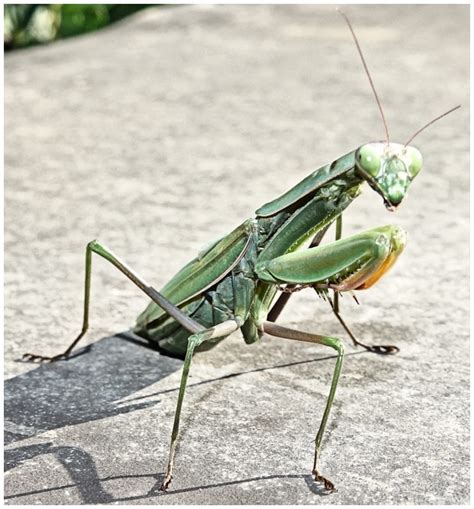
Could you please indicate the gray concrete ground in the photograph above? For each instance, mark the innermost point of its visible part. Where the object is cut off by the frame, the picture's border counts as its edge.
(158, 135)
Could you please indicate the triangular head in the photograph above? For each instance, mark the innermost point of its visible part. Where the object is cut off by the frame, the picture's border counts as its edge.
(389, 169)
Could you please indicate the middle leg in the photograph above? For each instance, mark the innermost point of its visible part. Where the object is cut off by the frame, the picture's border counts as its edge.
(335, 343)
(382, 349)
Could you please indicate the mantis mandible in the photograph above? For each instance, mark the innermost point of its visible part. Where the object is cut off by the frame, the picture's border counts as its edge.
(233, 284)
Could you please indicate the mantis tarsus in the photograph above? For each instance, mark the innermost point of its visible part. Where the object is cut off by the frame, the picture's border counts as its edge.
(233, 283)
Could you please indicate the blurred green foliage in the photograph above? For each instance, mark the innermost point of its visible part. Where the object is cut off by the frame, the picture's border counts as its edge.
(29, 24)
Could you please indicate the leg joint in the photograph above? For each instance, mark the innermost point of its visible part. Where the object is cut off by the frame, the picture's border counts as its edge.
(93, 245)
(195, 340)
(335, 343)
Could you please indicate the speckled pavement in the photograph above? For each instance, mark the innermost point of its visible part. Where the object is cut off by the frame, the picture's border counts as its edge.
(166, 131)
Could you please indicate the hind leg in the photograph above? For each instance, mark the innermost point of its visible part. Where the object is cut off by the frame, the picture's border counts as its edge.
(221, 330)
(95, 247)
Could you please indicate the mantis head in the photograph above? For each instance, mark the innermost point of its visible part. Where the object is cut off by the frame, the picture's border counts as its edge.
(389, 169)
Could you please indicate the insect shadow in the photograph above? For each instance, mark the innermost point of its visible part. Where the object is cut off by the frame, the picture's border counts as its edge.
(87, 387)
(92, 489)
(40, 400)
(79, 465)
(84, 388)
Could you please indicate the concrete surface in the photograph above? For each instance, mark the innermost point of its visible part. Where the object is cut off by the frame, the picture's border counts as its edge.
(158, 135)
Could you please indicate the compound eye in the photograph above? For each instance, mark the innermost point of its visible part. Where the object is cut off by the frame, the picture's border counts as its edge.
(369, 160)
(414, 161)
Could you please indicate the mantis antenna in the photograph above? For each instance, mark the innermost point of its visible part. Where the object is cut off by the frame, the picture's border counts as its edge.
(432, 122)
(367, 72)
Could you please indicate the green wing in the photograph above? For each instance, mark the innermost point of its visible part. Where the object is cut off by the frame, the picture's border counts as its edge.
(204, 271)
(311, 183)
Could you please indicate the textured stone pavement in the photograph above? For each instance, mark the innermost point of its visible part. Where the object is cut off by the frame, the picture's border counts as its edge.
(166, 131)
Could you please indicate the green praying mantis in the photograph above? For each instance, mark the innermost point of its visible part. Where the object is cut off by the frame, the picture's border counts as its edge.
(245, 279)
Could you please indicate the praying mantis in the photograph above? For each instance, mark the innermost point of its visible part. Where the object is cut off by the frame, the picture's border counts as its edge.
(235, 282)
